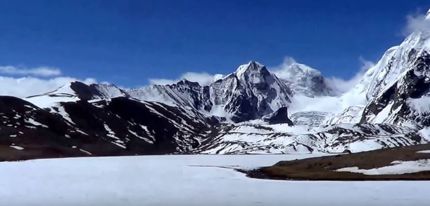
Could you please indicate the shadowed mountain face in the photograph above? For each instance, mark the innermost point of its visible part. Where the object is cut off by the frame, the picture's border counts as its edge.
(249, 93)
(279, 117)
(120, 126)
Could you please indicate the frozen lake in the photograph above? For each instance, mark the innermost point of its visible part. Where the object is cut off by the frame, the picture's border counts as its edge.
(181, 180)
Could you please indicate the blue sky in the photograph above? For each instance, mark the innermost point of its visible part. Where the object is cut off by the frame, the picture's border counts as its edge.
(128, 42)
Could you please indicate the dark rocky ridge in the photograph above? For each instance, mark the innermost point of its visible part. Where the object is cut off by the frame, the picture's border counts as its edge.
(279, 117)
(120, 126)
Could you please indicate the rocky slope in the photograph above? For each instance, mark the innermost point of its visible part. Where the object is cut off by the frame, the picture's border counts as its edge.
(402, 97)
(265, 139)
(87, 124)
(249, 93)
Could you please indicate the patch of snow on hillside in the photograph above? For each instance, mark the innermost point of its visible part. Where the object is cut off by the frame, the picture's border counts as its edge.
(296, 129)
(141, 137)
(396, 168)
(364, 145)
(50, 101)
(64, 114)
(111, 134)
(35, 123)
(302, 103)
(424, 151)
(383, 115)
(16, 147)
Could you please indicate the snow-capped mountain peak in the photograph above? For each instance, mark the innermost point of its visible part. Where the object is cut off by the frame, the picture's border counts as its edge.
(395, 62)
(397, 87)
(249, 93)
(303, 79)
(251, 67)
(75, 91)
(254, 74)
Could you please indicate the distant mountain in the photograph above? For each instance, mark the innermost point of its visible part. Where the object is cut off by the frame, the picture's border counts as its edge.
(114, 126)
(249, 93)
(75, 91)
(247, 111)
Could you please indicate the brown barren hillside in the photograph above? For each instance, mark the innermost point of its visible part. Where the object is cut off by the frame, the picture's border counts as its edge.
(324, 168)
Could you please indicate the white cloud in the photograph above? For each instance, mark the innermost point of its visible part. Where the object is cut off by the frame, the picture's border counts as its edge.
(418, 23)
(161, 81)
(36, 71)
(281, 71)
(320, 104)
(22, 81)
(286, 72)
(287, 62)
(341, 86)
(26, 86)
(202, 78)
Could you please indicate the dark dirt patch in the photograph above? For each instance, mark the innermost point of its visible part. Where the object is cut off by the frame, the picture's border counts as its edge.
(324, 168)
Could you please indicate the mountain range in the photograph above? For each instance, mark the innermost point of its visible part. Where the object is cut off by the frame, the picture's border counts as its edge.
(251, 110)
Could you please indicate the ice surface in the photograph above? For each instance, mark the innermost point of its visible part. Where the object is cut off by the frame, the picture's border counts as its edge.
(184, 180)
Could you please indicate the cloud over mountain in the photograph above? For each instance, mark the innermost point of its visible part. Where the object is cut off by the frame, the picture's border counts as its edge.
(42, 71)
(202, 78)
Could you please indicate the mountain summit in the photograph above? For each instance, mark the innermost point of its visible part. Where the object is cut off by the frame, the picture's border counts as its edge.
(249, 93)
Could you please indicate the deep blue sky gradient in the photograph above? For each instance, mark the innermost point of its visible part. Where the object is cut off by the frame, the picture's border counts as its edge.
(127, 42)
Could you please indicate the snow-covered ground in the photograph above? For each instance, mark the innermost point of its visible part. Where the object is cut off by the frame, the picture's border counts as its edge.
(185, 180)
(396, 168)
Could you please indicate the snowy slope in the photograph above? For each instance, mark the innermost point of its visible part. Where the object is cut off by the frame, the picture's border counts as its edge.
(395, 90)
(280, 139)
(184, 93)
(402, 97)
(75, 91)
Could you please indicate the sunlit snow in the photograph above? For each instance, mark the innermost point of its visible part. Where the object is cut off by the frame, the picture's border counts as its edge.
(396, 167)
(185, 180)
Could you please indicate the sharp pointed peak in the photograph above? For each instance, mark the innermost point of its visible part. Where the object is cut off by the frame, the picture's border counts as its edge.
(256, 63)
(251, 65)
